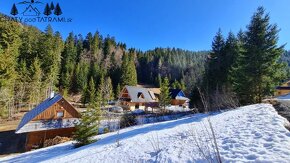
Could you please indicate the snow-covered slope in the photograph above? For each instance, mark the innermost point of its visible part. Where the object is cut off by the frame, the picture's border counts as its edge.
(253, 133)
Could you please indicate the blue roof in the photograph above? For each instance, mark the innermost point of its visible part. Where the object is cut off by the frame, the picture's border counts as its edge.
(176, 92)
(38, 109)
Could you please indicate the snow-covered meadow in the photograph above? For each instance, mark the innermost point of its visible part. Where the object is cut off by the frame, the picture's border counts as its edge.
(253, 133)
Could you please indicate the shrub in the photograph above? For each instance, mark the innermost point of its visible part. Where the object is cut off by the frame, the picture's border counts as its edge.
(106, 130)
(127, 120)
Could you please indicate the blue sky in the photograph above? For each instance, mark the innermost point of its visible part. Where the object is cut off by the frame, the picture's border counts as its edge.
(146, 24)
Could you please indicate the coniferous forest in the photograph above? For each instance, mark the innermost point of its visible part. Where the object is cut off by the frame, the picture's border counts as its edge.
(245, 66)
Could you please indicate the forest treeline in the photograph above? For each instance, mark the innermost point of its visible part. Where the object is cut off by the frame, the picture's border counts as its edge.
(240, 68)
(33, 63)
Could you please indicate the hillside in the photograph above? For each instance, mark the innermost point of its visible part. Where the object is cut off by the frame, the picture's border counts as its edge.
(251, 133)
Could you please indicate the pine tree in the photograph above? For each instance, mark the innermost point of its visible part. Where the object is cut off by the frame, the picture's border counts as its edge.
(9, 52)
(96, 44)
(108, 89)
(92, 91)
(231, 51)
(164, 93)
(257, 69)
(47, 10)
(51, 6)
(89, 123)
(14, 10)
(176, 85)
(36, 73)
(214, 73)
(101, 91)
(68, 60)
(118, 91)
(57, 10)
(128, 70)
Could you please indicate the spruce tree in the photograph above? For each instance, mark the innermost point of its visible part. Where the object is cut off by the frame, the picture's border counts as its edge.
(14, 10)
(47, 10)
(128, 71)
(92, 91)
(89, 123)
(96, 45)
(214, 73)
(35, 89)
(57, 10)
(257, 69)
(108, 89)
(101, 91)
(118, 91)
(51, 6)
(164, 94)
(9, 52)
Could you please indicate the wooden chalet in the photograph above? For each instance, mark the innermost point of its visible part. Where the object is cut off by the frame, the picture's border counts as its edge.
(133, 97)
(283, 89)
(53, 117)
(178, 97)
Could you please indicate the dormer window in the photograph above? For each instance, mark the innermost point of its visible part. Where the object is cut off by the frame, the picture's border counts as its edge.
(140, 95)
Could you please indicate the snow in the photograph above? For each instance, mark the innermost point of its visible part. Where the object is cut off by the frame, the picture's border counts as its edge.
(253, 133)
(176, 108)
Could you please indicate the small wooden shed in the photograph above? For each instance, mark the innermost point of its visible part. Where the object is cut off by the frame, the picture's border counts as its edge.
(53, 117)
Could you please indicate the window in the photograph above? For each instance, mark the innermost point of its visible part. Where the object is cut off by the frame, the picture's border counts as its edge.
(60, 114)
(140, 95)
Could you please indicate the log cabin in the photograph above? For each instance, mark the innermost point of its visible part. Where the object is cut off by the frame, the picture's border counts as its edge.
(132, 97)
(53, 117)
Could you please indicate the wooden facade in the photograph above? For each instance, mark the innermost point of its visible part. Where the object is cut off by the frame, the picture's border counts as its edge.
(36, 139)
(132, 98)
(177, 102)
(61, 106)
(53, 117)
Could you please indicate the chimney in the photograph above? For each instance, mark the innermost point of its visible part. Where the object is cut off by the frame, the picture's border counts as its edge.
(52, 95)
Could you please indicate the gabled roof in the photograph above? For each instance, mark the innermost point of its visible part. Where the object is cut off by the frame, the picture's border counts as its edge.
(135, 92)
(38, 109)
(177, 94)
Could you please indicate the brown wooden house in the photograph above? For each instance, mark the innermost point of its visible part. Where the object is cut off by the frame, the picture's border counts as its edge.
(53, 117)
(133, 97)
(178, 97)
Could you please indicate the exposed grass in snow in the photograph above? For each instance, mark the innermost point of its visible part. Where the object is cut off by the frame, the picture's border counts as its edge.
(253, 133)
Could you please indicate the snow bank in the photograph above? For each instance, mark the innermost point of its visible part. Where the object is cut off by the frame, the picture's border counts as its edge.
(253, 133)
(176, 108)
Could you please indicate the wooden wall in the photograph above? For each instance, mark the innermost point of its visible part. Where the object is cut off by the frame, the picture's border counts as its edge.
(62, 105)
(38, 138)
(177, 102)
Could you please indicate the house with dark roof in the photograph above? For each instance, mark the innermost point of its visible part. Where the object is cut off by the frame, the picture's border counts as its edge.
(283, 89)
(178, 97)
(53, 117)
(133, 97)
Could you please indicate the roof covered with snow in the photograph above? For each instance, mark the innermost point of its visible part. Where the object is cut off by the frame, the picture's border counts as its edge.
(138, 94)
